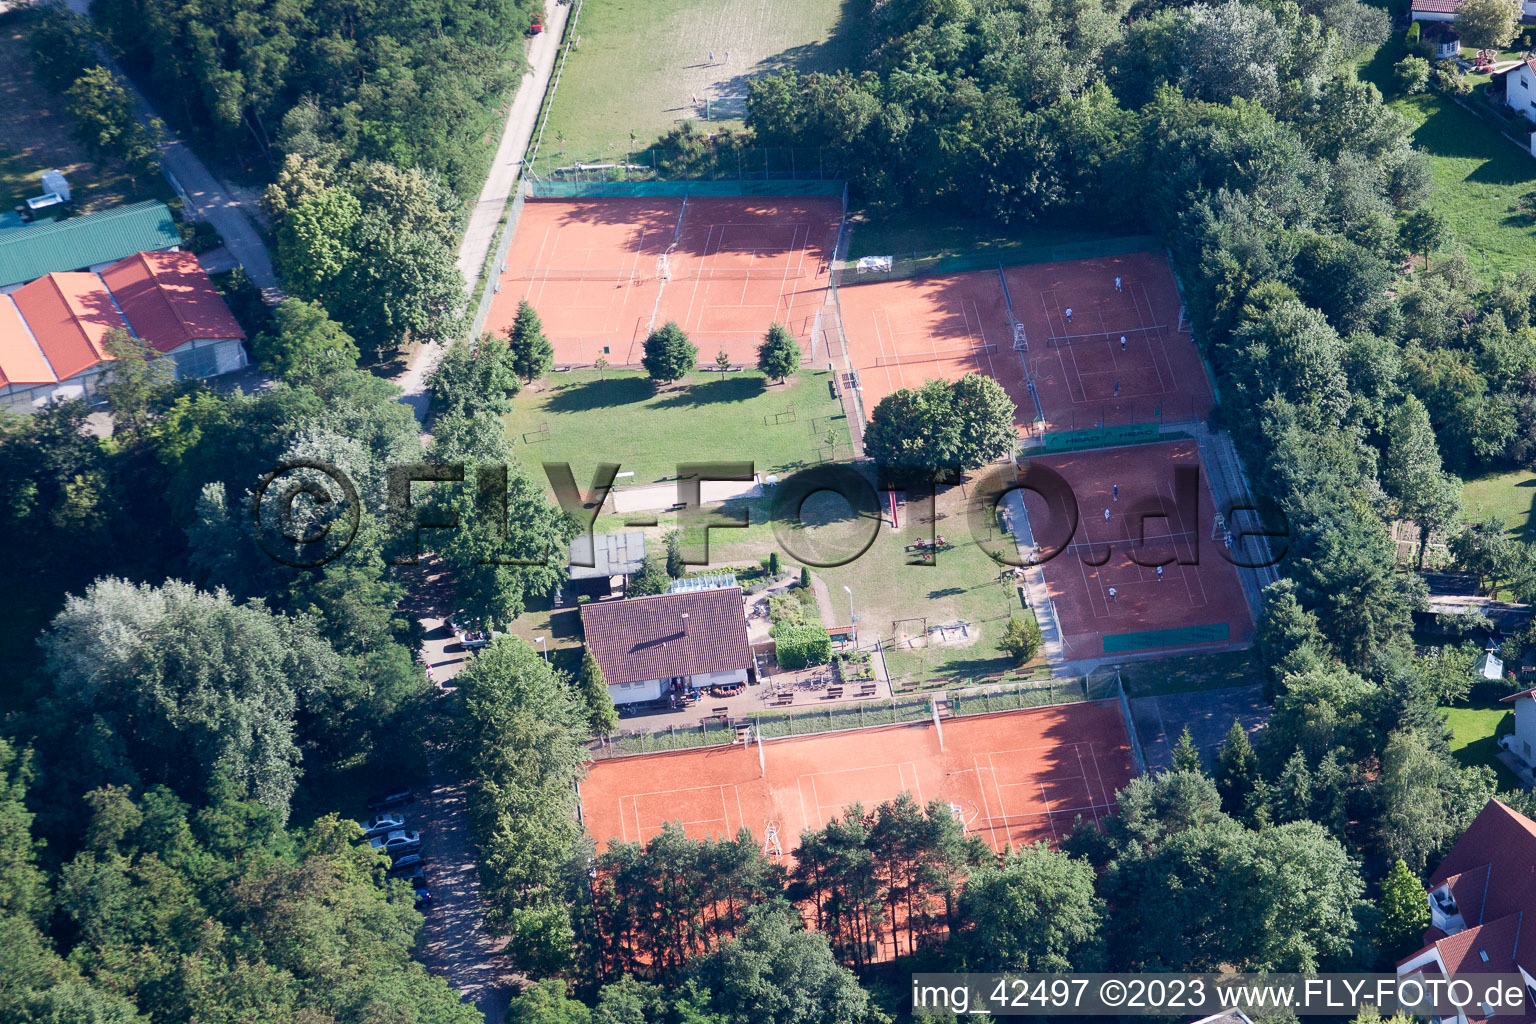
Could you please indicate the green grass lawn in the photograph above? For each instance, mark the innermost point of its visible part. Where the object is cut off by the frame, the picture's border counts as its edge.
(903, 234)
(618, 416)
(1481, 179)
(1190, 672)
(1474, 737)
(1507, 495)
(640, 63)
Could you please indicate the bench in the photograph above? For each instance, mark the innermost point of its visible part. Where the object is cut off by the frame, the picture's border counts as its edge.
(720, 712)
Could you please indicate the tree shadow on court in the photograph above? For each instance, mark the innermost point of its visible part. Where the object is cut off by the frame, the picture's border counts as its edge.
(601, 394)
(733, 387)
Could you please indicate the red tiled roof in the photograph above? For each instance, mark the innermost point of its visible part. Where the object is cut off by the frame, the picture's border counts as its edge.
(21, 361)
(169, 299)
(1491, 873)
(648, 638)
(1437, 6)
(70, 314)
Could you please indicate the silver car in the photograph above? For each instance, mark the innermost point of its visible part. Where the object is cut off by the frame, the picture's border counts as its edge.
(397, 842)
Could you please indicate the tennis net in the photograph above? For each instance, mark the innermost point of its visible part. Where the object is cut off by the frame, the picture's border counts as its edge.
(637, 275)
(1130, 334)
(934, 357)
(1177, 544)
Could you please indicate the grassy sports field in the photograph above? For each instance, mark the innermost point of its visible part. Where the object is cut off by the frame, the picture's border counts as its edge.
(641, 64)
(618, 416)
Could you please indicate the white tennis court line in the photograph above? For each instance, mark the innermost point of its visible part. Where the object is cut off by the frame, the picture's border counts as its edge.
(1205, 599)
(634, 799)
(822, 818)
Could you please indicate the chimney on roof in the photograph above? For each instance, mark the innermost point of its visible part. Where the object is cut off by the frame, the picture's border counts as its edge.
(685, 623)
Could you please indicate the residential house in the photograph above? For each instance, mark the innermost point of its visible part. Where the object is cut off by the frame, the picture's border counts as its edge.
(1478, 897)
(1446, 10)
(1520, 87)
(651, 647)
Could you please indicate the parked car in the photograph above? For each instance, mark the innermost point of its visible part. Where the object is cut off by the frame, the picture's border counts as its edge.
(394, 798)
(414, 874)
(423, 899)
(403, 866)
(383, 824)
(478, 638)
(397, 842)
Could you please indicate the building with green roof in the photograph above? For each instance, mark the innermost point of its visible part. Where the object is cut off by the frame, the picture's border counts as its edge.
(84, 243)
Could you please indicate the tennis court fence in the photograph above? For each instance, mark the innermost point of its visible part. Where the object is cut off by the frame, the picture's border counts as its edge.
(904, 709)
(641, 275)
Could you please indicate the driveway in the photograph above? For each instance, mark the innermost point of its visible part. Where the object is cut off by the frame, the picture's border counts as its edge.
(207, 198)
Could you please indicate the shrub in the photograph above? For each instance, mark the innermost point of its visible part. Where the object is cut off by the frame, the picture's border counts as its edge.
(805, 578)
(797, 645)
(773, 563)
(1447, 78)
(1412, 74)
(1020, 639)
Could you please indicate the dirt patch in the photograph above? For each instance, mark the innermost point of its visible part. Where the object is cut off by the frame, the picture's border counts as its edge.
(35, 136)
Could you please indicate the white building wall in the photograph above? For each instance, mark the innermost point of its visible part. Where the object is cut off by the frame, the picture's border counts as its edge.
(1525, 730)
(737, 675)
(1432, 16)
(632, 693)
(1520, 91)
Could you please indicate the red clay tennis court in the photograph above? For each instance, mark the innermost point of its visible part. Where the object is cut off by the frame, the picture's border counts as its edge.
(1126, 355)
(601, 272)
(1012, 778)
(902, 333)
(1109, 603)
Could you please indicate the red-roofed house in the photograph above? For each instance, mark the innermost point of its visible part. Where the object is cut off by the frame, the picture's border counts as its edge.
(1478, 898)
(171, 304)
(1446, 10)
(52, 331)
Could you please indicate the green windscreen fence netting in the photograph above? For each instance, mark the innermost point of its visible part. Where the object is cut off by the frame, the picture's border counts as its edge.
(703, 189)
(1216, 632)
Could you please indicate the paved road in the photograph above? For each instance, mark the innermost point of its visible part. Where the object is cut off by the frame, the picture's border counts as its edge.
(209, 199)
(212, 203)
(516, 136)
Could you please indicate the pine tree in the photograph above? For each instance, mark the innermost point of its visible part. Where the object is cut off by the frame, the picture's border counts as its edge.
(779, 354)
(669, 355)
(676, 567)
(1404, 912)
(773, 563)
(722, 361)
(1185, 757)
(1020, 639)
(1237, 766)
(594, 690)
(805, 577)
(532, 354)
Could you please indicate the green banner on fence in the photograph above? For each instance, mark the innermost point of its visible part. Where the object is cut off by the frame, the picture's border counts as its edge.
(1102, 437)
(1216, 632)
(678, 189)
